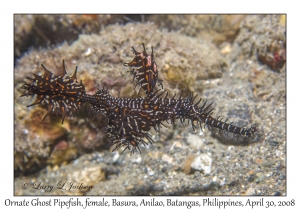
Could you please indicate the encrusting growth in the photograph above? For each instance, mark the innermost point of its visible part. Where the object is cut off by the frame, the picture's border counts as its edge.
(129, 119)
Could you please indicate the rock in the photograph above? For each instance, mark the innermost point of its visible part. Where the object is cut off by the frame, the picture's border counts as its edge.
(194, 141)
(202, 163)
(250, 191)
